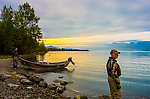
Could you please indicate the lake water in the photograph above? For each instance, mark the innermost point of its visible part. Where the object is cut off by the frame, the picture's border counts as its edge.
(89, 75)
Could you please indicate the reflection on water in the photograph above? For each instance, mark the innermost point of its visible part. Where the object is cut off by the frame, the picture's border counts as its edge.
(61, 70)
(90, 77)
(40, 57)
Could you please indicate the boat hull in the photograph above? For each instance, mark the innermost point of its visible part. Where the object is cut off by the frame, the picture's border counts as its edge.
(44, 66)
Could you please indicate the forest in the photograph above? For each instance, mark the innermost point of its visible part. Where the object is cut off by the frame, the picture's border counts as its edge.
(19, 29)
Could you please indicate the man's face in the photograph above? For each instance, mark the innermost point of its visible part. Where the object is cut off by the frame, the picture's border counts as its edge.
(114, 56)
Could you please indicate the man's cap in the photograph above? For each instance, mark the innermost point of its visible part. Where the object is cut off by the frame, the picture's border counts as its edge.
(114, 52)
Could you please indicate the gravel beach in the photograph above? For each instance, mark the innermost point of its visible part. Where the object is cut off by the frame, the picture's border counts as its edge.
(21, 84)
(24, 84)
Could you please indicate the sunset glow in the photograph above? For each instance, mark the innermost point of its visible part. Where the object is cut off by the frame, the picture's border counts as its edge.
(86, 22)
(84, 41)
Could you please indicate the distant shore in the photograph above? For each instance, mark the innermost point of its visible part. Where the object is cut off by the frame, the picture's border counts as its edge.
(54, 49)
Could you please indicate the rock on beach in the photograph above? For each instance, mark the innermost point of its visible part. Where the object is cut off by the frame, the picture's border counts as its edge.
(52, 87)
(43, 84)
(26, 82)
(22, 84)
(19, 83)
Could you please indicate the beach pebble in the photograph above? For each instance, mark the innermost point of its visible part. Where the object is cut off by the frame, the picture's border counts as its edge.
(55, 97)
(26, 82)
(36, 79)
(60, 77)
(13, 81)
(80, 97)
(2, 77)
(28, 96)
(52, 86)
(7, 76)
(20, 76)
(12, 85)
(61, 89)
(68, 98)
(57, 81)
(43, 84)
(63, 83)
(29, 87)
(103, 96)
(28, 75)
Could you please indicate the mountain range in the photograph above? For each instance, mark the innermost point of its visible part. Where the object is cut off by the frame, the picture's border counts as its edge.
(135, 45)
(127, 45)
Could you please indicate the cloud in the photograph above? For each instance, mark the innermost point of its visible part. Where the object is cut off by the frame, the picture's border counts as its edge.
(140, 5)
(96, 40)
(69, 18)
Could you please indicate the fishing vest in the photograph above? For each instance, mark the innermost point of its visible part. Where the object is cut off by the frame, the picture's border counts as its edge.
(113, 68)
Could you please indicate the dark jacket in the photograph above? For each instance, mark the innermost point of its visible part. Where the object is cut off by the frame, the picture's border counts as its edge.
(113, 68)
(14, 54)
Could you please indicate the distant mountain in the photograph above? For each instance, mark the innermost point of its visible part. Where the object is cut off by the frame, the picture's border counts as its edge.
(131, 45)
(67, 48)
(52, 47)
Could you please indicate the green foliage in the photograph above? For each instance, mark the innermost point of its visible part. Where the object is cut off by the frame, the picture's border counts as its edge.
(42, 47)
(19, 28)
(6, 30)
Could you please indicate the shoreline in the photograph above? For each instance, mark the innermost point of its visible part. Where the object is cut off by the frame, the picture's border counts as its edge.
(11, 86)
(20, 83)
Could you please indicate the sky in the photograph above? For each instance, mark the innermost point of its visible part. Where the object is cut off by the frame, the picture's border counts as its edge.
(87, 22)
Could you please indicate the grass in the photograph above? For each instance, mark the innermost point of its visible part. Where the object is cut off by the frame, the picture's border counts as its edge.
(5, 56)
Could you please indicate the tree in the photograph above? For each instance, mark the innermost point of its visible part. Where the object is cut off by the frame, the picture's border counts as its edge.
(26, 24)
(6, 30)
(42, 47)
(25, 19)
(19, 28)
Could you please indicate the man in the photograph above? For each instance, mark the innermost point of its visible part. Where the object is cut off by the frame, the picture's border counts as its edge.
(15, 56)
(114, 71)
